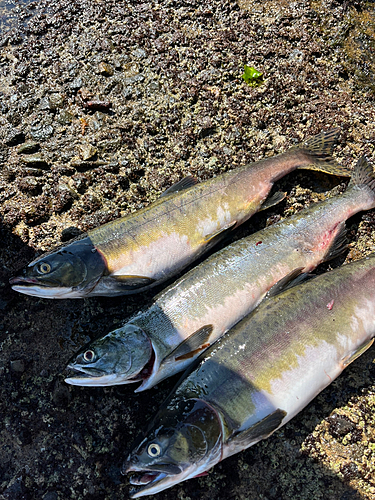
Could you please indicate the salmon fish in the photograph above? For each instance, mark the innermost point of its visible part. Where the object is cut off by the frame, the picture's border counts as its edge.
(201, 306)
(258, 376)
(141, 250)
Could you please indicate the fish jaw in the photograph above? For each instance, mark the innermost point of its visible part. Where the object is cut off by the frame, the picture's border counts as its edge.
(151, 481)
(100, 381)
(46, 292)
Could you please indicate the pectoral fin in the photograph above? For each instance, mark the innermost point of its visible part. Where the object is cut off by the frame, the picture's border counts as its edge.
(289, 281)
(191, 346)
(260, 430)
(132, 281)
(358, 352)
(218, 235)
(339, 244)
(273, 200)
(185, 183)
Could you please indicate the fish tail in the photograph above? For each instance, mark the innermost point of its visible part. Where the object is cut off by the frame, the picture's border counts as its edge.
(363, 175)
(319, 150)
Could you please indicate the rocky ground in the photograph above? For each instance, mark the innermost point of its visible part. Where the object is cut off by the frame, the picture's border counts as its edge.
(103, 105)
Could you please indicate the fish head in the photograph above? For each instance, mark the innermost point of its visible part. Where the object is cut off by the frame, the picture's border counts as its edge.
(183, 441)
(68, 272)
(117, 358)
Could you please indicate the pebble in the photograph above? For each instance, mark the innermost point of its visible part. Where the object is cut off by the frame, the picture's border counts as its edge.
(70, 233)
(35, 160)
(28, 147)
(105, 69)
(15, 137)
(65, 117)
(41, 132)
(87, 151)
(18, 366)
(76, 84)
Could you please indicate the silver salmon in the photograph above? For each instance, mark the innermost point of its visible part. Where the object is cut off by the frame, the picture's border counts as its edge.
(144, 249)
(201, 306)
(258, 376)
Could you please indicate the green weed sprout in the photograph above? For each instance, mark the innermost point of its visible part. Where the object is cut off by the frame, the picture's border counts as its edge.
(252, 77)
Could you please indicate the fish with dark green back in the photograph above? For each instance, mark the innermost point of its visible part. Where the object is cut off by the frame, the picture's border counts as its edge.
(141, 250)
(258, 376)
(198, 308)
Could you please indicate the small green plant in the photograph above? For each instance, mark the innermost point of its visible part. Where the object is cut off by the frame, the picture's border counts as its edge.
(252, 77)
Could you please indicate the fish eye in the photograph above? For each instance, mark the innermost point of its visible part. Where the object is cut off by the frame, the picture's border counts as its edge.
(153, 450)
(44, 268)
(89, 356)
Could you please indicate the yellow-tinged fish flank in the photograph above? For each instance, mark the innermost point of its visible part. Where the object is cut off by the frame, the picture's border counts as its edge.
(146, 248)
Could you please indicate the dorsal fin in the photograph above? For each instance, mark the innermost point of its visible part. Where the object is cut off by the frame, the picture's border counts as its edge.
(191, 346)
(289, 281)
(185, 183)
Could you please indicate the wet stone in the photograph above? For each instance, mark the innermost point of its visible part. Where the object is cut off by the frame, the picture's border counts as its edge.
(28, 147)
(35, 160)
(17, 366)
(61, 395)
(105, 69)
(339, 425)
(15, 137)
(51, 495)
(30, 184)
(65, 117)
(16, 491)
(76, 84)
(87, 151)
(64, 197)
(41, 132)
(70, 233)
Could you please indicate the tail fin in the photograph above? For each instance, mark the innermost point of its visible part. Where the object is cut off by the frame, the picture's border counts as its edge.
(363, 174)
(319, 149)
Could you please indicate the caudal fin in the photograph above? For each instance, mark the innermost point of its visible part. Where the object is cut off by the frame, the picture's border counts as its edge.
(319, 150)
(363, 175)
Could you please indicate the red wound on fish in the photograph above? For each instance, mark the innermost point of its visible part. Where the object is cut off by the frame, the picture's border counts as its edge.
(258, 243)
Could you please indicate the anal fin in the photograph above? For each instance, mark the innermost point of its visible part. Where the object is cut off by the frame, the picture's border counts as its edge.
(260, 430)
(358, 352)
(191, 346)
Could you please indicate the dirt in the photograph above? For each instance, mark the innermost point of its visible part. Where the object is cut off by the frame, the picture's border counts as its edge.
(104, 105)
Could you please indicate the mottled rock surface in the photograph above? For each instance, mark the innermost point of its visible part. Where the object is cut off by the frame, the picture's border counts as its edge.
(103, 105)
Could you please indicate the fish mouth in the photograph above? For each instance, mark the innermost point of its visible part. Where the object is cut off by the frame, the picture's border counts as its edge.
(35, 289)
(92, 377)
(23, 281)
(151, 479)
